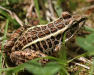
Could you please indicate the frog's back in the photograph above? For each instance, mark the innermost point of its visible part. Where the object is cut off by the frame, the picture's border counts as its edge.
(35, 35)
(44, 37)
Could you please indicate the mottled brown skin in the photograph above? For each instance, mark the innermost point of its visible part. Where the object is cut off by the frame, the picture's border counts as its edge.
(23, 56)
(17, 48)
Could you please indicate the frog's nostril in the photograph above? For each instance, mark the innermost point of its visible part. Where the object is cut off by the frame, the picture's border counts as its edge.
(66, 15)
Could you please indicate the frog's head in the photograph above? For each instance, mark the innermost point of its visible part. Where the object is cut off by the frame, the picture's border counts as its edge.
(73, 22)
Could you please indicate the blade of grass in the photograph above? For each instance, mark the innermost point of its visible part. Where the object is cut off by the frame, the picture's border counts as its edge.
(60, 1)
(84, 54)
(63, 58)
(91, 72)
(0, 62)
(5, 33)
(2, 47)
(37, 9)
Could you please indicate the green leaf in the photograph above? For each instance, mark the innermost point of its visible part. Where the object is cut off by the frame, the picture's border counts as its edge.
(58, 10)
(34, 67)
(60, 1)
(87, 43)
(72, 4)
(89, 29)
(63, 59)
(14, 69)
(13, 1)
(3, 13)
(49, 69)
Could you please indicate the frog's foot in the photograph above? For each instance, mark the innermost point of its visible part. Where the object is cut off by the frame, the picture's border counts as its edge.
(19, 57)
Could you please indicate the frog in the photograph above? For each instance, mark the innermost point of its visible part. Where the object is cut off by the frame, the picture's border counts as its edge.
(30, 42)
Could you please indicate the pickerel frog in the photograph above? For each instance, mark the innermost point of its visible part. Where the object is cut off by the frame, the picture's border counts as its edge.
(28, 43)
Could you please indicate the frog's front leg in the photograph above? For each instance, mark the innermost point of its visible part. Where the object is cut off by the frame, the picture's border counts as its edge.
(57, 49)
(19, 57)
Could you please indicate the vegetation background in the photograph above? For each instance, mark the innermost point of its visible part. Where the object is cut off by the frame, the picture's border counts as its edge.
(75, 58)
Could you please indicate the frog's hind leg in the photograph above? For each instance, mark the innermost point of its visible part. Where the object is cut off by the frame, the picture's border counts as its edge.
(19, 57)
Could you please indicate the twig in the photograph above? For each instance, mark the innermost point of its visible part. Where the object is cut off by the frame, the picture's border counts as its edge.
(49, 16)
(83, 59)
(51, 9)
(13, 15)
(84, 9)
(29, 11)
(82, 65)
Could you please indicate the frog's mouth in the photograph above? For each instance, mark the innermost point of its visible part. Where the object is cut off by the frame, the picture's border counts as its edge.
(74, 29)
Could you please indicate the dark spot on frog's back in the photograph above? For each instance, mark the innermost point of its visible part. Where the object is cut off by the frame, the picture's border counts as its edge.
(17, 46)
(43, 28)
(29, 39)
(56, 42)
(58, 36)
(50, 25)
(52, 38)
(31, 35)
(34, 37)
(33, 47)
(39, 46)
(44, 44)
(28, 36)
(60, 26)
(53, 29)
(46, 31)
(20, 46)
(21, 40)
(37, 29)
(49, 43)
(24, 41)
(33, 32)
(58, 21)
(41, 34)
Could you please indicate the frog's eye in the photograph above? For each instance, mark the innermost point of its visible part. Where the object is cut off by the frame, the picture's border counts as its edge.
(66, 15)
